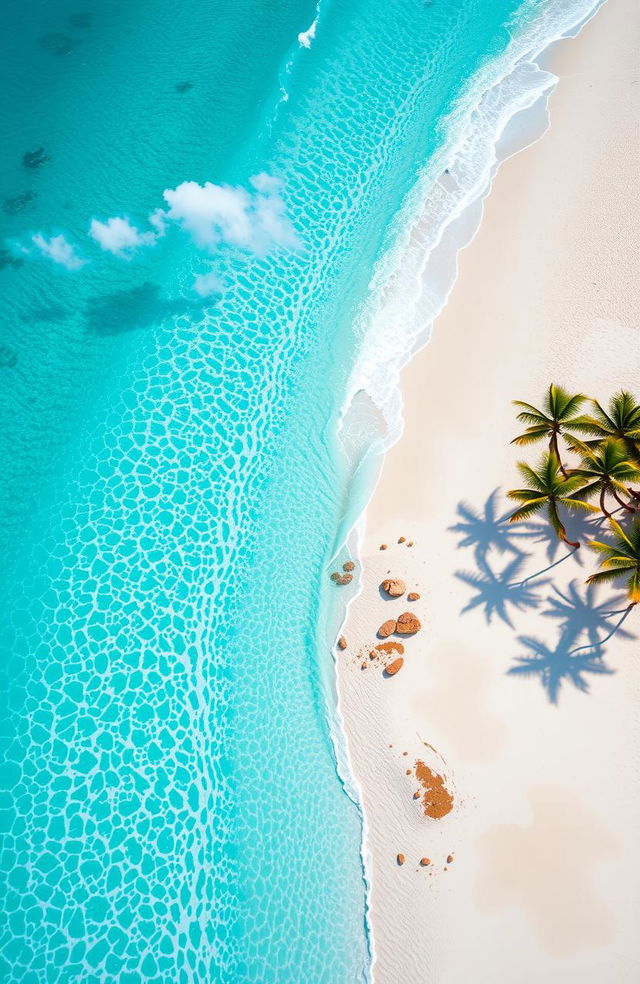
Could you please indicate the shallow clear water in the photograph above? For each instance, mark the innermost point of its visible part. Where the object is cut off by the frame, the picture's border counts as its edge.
(172, 484)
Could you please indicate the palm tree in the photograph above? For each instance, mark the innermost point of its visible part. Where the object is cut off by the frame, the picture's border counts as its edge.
(620, 558)
(621, 421)
(607, 469)
(548, 490)
(558, 413)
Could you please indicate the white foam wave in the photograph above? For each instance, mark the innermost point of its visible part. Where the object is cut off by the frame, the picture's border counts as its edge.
(412, 281)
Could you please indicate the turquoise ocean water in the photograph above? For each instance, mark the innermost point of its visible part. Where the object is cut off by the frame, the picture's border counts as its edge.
(172, 487)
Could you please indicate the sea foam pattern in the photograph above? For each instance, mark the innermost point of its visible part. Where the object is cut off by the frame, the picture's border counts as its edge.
(171, 806)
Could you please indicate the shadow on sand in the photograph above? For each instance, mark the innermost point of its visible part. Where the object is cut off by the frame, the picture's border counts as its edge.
(583, 624)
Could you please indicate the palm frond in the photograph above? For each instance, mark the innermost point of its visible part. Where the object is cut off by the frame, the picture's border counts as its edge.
(529, 475)
(573, 403)
(531, 436)
(528, 407)
(603, 419)
(605, 577)
(524, 495)
(572, 484)
(534, 506)
(633, 587)
(570, 503)
(528, 417)
(589, 425)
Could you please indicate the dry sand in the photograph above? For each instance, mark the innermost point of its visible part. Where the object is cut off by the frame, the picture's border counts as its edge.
(545, 881)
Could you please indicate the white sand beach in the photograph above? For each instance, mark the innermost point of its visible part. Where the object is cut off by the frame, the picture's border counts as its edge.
(544, 884)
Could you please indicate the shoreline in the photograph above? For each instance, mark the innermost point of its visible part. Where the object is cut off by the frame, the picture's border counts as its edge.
(532, 120)
(377, 516)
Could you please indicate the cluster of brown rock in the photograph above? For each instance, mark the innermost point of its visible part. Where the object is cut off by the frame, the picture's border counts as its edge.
(401, 539)
(345, 578)
(406, 624)
(424, 862)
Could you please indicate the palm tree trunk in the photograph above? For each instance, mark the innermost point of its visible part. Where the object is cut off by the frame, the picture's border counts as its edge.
(623, 504)
(553, 447)
(602, 505)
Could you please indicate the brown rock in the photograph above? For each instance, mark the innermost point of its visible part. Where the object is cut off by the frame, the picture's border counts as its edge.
(394, 587)
(401, 539)
(348, 566)
(342, 643)
(408, 624)
(417, 794)
(425, 861)
(363, 666)
(341, 578)
(383, 546)
(400, 858)
(413, 596)
(387, 628)
(394, 667)
(410, 543)
(408, 772)
(450, 859)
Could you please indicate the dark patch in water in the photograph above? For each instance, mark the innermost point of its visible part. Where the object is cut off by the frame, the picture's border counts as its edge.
(14, 204)
(32, 159)
(139, 307)
(57, 44)
(184, 86)
(80, 21)
(55, 313)
(8, 357)
(7, 259)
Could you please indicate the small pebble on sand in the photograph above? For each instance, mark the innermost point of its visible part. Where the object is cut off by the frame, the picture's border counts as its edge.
(425, 861)
(401, 539)
(383, 546)
(400, 858)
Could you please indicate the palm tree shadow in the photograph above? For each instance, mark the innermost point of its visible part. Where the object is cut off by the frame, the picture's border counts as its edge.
(495, 593)
(136, 308)
(485, 530)
(580, 527)
(581, 615)
(554, 666)
(584, 624)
